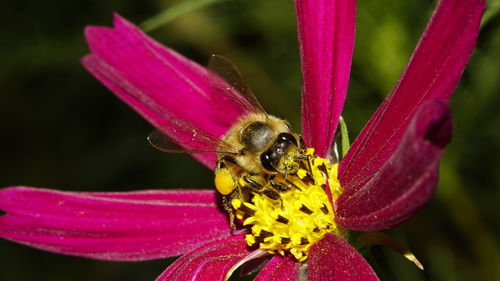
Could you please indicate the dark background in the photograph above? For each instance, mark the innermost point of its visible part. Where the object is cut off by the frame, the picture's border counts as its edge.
(61, 129)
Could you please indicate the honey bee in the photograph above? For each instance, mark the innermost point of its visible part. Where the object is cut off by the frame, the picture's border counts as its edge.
(255, 155)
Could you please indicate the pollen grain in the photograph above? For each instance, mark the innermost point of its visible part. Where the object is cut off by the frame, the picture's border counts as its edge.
(301, 217)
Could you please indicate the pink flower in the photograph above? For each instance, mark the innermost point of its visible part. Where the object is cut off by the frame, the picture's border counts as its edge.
(389, 173)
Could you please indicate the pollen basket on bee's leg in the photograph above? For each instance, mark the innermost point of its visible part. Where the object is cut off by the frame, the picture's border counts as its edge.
(300, 217)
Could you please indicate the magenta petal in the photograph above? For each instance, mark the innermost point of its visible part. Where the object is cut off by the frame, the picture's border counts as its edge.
(125, 226)
(179, 97)
(334, 259)
(279, 268)
(433, 72)
(407, 180)
(208, 262)
(326, 41)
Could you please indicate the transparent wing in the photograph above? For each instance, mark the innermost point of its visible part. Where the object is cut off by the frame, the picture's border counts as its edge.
(164, 143)
(228, 71)
(234, 91)
(187, 136)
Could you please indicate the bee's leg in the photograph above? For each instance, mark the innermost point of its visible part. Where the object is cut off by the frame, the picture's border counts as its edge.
(271, 194)
(301, 157)
(253, 185)
(283, 186)
(292, 185)
(302, 144)
(308, 167)
(309, 164)
(280, 186)
(226, 204)
(225, 182)
(228, 207)
(257, 187)
(226, 185)
(306, 164)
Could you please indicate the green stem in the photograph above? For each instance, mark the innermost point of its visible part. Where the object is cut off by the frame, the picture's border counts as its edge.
(175, 11)
(492, 10)
(344, 135)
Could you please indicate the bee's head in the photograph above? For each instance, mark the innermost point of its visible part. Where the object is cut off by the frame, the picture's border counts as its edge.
(281, 156)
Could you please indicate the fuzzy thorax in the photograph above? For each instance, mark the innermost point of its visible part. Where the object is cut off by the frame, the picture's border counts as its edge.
(301, 217)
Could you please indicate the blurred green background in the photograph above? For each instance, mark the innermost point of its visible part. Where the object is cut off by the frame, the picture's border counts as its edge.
(61, 129)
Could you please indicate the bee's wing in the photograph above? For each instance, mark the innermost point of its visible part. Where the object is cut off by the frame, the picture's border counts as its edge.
(228, 71)
(197, 140)
(207, 144)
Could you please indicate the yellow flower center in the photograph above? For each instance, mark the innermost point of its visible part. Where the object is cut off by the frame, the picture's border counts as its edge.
(301, 217)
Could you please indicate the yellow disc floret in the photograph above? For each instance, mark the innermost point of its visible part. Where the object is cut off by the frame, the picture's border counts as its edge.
(301, 217)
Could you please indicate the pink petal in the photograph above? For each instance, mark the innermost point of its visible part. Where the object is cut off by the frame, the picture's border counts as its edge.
(254, 265)
(280, 268)
(433, 72)
(326, 41)
(209, 262)
(334, 259)
(407, 180)
(179, 97)
(125, 226)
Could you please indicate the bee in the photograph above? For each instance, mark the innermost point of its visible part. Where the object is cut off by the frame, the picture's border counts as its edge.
(256, 154)
(266, 148)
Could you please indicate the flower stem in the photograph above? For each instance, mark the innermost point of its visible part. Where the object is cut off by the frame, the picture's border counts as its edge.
(344, 135)
(173, 12)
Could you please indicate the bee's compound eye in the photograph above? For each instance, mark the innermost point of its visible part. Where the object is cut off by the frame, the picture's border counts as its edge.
(256, 136)
(269, 159)
(286, 138)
